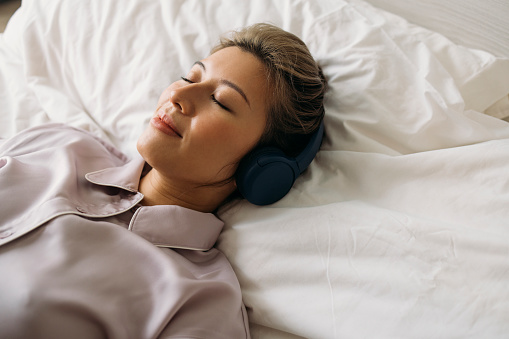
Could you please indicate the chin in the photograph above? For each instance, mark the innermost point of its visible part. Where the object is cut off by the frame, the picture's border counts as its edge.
(144, 142)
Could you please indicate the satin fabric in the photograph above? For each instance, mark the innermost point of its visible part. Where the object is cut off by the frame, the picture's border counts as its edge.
(80, 258)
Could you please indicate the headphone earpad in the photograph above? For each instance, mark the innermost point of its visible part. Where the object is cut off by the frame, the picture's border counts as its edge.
(266, 176)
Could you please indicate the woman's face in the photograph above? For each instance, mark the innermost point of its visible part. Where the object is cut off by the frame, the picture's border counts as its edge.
(207, 121)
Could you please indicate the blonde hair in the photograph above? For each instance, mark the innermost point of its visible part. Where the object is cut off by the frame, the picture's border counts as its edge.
(296, 84)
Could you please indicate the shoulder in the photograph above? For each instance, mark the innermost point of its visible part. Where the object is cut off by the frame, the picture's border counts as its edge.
(55, 135)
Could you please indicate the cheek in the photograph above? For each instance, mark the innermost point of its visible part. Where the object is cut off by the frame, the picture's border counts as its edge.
(227, 142)
(163, 98)
(165, 95)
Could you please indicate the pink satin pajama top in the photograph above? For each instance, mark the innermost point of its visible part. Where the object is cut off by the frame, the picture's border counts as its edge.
(80, 258)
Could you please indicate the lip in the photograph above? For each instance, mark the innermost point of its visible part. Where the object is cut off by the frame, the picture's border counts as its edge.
(165, 124)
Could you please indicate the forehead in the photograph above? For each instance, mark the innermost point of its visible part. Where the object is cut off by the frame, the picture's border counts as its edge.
(234, 58)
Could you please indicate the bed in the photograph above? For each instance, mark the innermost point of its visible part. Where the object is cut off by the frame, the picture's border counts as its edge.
(400, 226)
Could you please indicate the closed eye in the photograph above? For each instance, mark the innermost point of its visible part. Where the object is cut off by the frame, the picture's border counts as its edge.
(212, 96)
(220, 104)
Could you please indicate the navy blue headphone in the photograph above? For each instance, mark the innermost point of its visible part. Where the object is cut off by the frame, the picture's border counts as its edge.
(267, 174)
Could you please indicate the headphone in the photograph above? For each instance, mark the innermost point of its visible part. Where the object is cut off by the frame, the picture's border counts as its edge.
(267, 174)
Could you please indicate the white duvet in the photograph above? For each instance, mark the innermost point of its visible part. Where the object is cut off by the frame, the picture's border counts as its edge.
(399, 228)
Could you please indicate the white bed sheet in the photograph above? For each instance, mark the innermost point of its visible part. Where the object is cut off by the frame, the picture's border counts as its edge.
(400, 227)
(471, 23)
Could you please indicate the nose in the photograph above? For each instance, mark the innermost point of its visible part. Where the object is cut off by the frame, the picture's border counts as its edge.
(183, 99)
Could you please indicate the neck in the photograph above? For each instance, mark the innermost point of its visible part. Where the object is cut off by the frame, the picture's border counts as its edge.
(159, 191)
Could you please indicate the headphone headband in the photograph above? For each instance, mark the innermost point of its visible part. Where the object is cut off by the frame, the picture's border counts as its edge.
(267, 175)
(305, 157)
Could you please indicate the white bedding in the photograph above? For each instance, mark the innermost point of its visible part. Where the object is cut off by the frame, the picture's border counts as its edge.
(472, 23)
(400, 227)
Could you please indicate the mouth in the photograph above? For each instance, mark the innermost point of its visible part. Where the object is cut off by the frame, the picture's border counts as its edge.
(165, 124)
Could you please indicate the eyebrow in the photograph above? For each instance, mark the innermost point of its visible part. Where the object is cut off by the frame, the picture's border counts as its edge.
(227, 83)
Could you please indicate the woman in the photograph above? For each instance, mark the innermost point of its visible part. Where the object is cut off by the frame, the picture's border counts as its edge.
(77, 247)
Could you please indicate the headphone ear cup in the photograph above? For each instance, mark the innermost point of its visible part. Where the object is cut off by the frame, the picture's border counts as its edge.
(266, 176)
